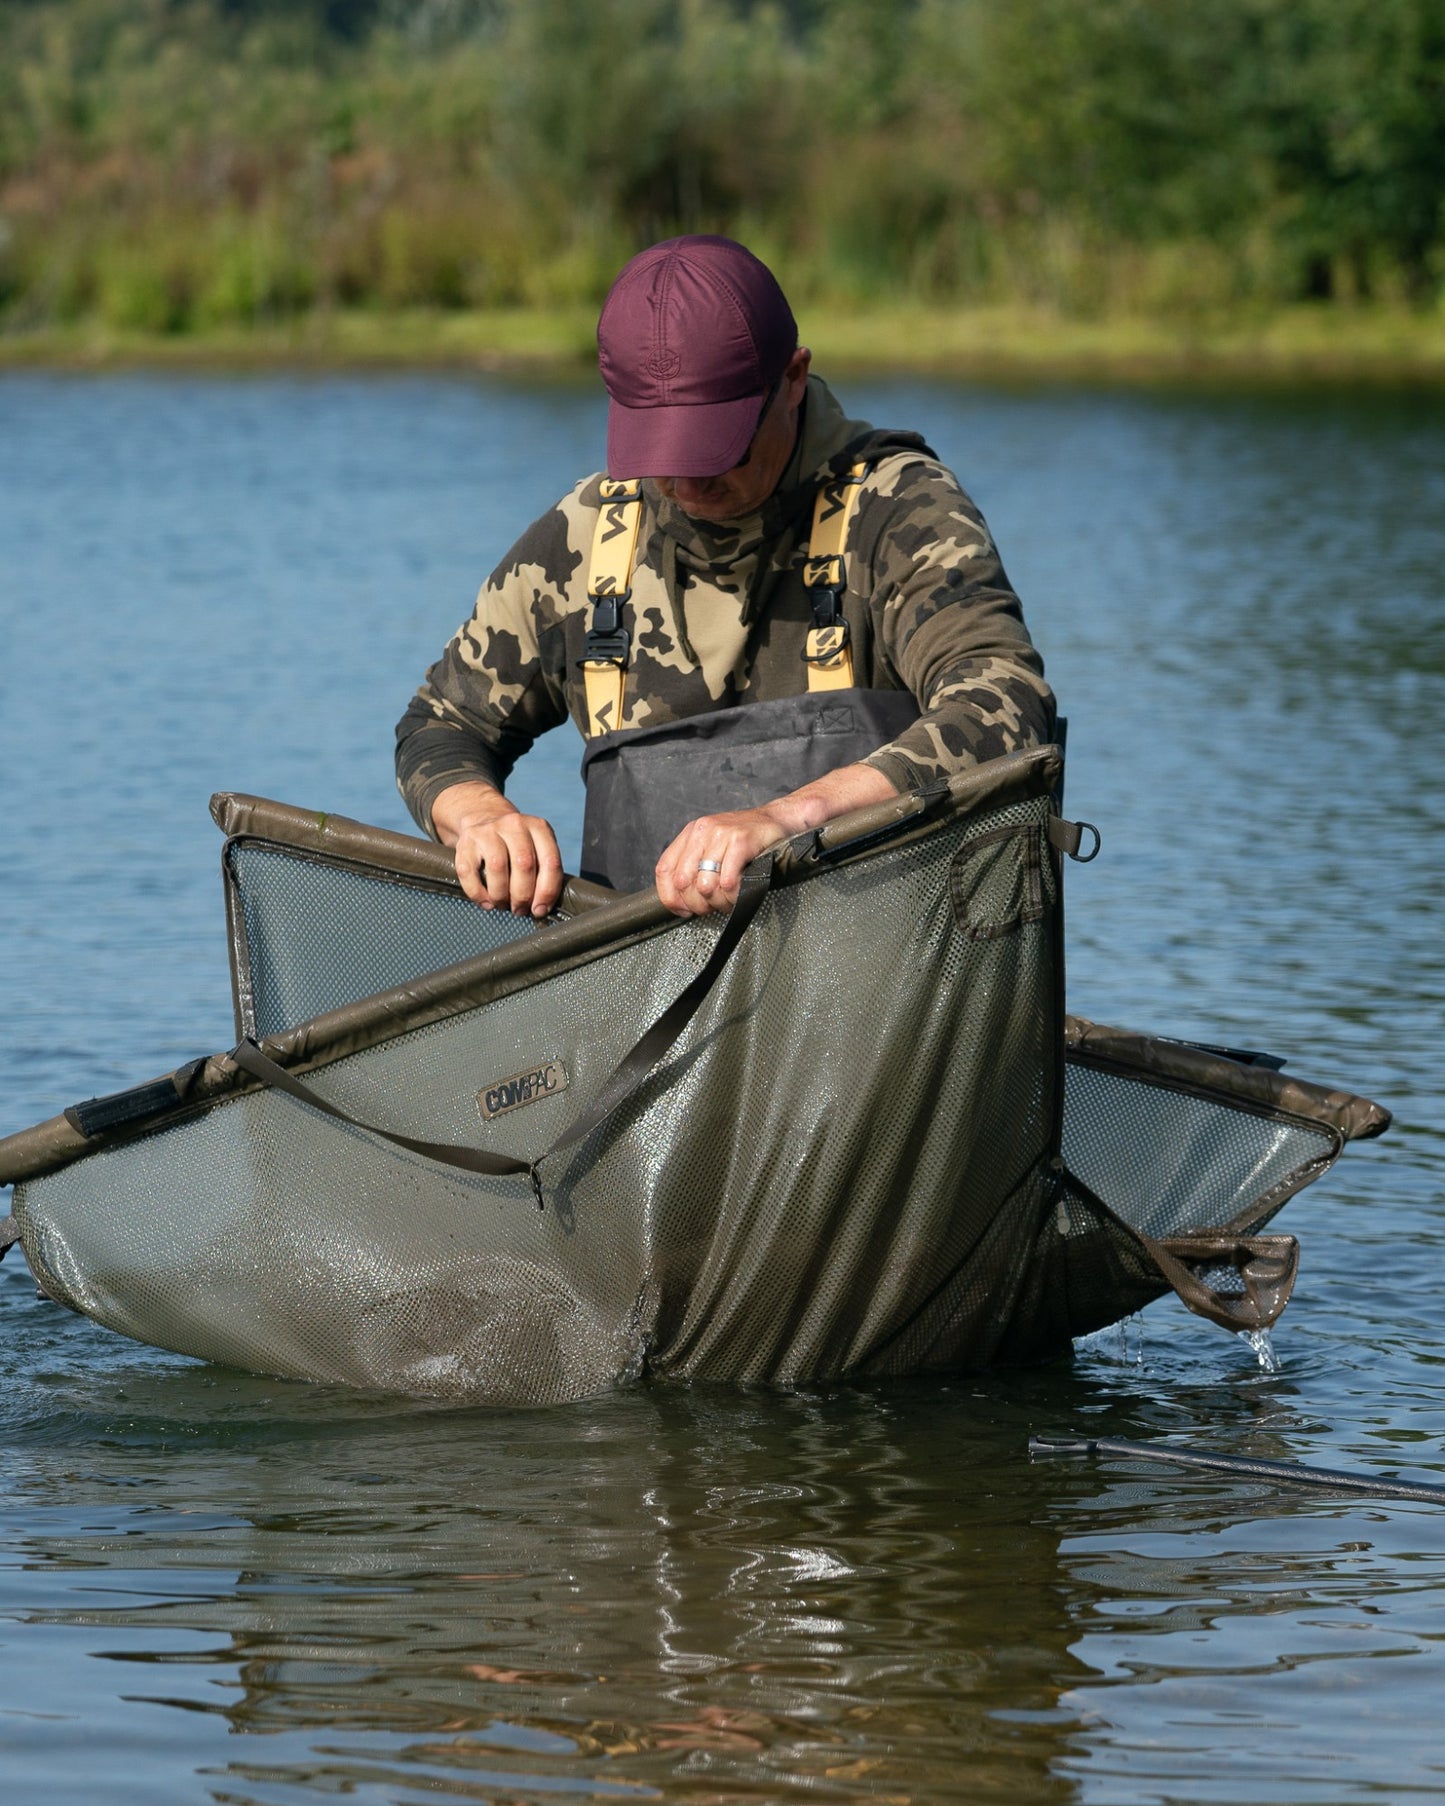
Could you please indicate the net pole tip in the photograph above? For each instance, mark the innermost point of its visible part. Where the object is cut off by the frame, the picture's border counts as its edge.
(1043, 1446)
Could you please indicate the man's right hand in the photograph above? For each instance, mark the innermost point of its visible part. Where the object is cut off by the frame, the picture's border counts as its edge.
(505, 860)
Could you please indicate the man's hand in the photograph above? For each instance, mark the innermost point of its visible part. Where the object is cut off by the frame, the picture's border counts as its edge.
(733, 839)
(505, 860)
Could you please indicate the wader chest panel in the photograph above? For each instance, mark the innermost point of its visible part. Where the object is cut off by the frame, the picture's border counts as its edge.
(643, 783)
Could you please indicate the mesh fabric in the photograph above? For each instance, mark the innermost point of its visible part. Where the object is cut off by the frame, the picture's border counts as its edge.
(854, 1159)
(1170, 1163)
(837, 1168)
(320, 934)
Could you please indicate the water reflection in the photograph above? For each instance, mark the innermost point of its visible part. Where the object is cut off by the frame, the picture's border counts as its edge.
(705, 1594)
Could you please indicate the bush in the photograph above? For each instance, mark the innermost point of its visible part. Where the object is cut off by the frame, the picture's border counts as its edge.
(169, 163)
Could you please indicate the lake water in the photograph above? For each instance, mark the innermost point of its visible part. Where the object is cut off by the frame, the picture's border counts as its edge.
(221, 1588)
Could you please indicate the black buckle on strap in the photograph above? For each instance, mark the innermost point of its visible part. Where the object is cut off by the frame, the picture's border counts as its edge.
(826, 613)
(608, 641)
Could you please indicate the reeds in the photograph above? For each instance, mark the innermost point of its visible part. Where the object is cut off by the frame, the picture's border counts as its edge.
(177, 168)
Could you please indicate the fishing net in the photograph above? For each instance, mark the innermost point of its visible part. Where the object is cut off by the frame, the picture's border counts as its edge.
(858, 1153)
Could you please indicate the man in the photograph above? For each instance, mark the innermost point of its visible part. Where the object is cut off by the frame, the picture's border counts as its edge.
(901, 659)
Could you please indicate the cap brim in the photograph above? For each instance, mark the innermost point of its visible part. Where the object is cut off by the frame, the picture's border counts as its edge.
(702, 440)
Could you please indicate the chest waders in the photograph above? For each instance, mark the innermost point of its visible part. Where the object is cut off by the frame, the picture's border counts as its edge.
(644, 784)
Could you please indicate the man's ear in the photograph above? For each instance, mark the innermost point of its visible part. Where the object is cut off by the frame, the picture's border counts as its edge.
(795, 374)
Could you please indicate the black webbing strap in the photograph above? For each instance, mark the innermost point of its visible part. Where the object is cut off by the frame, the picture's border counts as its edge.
(629, 1073)
(248, 1056)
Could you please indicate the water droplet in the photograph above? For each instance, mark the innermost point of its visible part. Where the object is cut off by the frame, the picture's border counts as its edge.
(1258, 1340)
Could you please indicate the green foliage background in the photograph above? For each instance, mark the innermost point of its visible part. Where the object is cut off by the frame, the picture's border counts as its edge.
(173, 166)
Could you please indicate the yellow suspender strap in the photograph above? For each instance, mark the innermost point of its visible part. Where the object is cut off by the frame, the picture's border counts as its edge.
(827, 653)
(609, 584)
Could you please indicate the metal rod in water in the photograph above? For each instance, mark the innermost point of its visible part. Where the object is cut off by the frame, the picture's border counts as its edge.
(1290, 1473)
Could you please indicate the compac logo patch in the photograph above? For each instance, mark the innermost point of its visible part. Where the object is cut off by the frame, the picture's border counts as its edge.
(522, 1088)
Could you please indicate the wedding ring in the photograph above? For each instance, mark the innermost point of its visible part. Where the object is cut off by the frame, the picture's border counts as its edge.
(709, 865)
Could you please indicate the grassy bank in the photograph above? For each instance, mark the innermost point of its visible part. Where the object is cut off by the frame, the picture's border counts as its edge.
(1128, 186)
(1000, 342)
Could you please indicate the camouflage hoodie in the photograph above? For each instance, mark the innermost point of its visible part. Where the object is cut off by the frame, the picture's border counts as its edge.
(719, 614)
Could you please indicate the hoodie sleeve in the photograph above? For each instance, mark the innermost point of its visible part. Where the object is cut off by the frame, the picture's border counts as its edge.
(948, 623)
(501, 681)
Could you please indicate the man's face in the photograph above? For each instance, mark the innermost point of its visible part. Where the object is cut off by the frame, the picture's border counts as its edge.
(743, 489)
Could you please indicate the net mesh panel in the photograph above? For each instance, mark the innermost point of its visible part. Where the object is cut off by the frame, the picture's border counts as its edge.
(296, 1245)
(1170, 1163)
(322, 935)
(842, 1166)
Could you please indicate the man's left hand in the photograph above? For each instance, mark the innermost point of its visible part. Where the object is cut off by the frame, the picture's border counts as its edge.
(729, 841)
(686, 879)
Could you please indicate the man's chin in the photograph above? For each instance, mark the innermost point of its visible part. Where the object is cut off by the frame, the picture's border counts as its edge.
(721, 508)
(713, 515)
(718, 507)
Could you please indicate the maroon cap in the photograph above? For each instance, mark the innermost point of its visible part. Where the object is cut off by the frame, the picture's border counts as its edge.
(693, 335)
